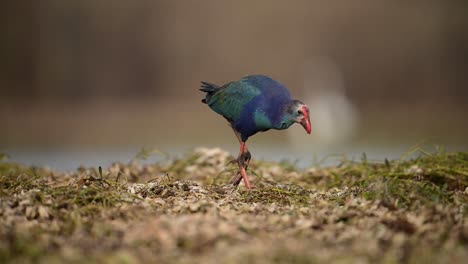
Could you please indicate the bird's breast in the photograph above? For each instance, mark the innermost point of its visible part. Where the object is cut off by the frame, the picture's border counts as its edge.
(261, 120)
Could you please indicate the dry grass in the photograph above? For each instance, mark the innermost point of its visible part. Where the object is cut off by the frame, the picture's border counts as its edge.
(179, 211)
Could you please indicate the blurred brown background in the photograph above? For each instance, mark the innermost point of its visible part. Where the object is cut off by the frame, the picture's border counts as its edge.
(89, 74)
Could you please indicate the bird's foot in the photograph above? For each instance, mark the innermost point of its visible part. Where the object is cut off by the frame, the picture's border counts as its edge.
(243, 159)
(235, 181)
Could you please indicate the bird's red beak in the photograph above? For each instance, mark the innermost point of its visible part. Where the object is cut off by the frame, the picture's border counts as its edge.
(305, 122)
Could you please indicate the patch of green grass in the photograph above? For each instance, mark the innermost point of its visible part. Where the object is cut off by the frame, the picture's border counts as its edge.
(279, 194)
(428, 178)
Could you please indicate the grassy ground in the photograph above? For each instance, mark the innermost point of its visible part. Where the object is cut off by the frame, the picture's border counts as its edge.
(179, 211)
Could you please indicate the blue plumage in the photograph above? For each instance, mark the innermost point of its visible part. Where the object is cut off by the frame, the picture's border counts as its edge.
(252, 104)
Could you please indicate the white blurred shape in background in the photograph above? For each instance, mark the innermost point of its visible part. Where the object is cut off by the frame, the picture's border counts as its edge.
(333, 116)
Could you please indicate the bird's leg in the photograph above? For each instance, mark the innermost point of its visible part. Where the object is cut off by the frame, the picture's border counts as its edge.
(245, 158)
(242, 164)
(245, 155)
(242, 160)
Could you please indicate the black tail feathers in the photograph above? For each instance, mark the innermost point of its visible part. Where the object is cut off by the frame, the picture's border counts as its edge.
(208, 88)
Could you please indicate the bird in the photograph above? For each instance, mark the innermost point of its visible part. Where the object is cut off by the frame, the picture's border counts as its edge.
(252, 104)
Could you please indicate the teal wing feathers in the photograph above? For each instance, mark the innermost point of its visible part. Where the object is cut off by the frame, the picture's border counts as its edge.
(230, 99)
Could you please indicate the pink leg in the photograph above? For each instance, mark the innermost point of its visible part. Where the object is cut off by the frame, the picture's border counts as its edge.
(243, 161)
(241, 165)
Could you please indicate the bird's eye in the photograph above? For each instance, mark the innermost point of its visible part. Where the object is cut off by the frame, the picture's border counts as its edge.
(299, 112)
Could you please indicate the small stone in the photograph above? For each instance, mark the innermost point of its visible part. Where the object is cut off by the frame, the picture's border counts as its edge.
(194, 207)
(31, 212)
(43, 212)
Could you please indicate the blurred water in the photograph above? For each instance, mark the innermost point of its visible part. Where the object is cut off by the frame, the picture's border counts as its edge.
(71, 159)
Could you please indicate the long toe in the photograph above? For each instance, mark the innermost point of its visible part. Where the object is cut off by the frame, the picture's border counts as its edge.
(236, 179)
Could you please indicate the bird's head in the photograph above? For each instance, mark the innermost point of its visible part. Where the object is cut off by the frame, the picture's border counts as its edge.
(296, 112)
